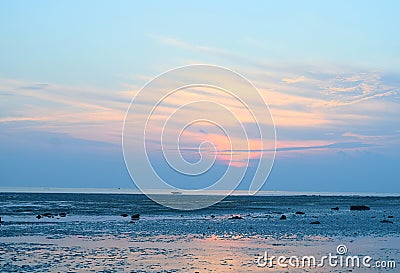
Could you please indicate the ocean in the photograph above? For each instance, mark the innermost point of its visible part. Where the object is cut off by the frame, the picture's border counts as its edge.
(101, 214)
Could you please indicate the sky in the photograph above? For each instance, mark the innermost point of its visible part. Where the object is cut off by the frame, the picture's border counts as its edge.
(329, 72)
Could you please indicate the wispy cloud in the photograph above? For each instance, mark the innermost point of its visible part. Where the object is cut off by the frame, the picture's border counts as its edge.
(294, 80)
(36, 86)
(327, 99)
(184, 45)
(355, 88)
(83, 112)
(371, 138)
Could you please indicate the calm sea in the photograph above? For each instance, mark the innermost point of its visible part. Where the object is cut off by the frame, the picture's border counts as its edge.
(99, 214)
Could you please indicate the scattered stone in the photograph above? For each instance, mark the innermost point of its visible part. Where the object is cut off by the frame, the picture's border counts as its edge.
(63, 214)
(359, 208)
(300, 212)
(135, 216)
(212, 216)
(283, 217)
(236, 217)
(1, 221)
(39, 216)
(386, 222)
(124, 215)
(315, 223)
(335, 208)
(390, 216)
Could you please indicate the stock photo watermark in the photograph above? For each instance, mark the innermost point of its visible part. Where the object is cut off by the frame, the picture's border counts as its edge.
(193, 121)
(340, 259)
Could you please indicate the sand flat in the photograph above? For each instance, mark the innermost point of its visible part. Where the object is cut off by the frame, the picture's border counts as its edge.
(179, 253)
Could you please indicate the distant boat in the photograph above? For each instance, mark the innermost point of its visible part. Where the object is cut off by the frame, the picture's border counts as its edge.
(176, 192)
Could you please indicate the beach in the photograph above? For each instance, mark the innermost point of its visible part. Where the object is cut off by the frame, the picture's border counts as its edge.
(179, 254)
(95, 235)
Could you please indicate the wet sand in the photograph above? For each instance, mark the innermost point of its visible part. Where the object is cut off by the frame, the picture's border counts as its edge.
(94, 233)
(180, 253)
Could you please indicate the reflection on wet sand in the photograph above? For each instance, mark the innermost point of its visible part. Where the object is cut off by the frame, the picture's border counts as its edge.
(176, 253)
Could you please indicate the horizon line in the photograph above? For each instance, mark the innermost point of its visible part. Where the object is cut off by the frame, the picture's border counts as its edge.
(189, 192)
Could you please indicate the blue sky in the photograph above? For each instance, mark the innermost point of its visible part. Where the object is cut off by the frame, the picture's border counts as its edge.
(329, 72)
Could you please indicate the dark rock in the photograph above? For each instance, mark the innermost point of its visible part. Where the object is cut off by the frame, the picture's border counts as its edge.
(359, 208)
(390, 216)
(212, 216)
(47, 214)
(335, 208)
(124, 215)
(63, 214)
(386, 222)
(315, 223)
(236, 217)
(39, 216)
(300, 212)
(1, 220)
(283, 217)
(135, 216)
